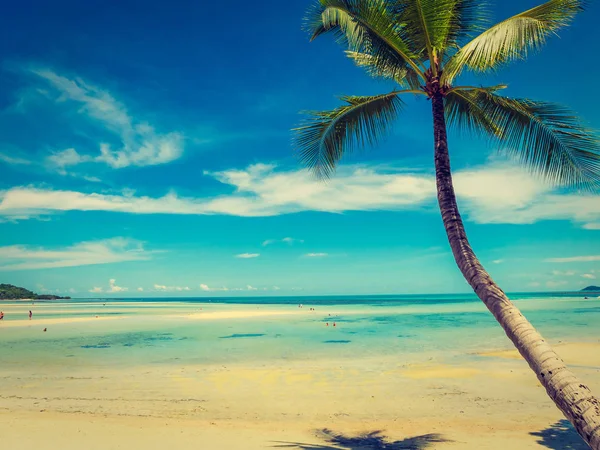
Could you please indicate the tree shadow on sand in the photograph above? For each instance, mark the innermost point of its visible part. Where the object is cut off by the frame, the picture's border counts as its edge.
(374, 440)
(560, 436)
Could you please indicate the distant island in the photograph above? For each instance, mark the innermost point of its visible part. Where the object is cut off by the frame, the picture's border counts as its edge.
(10, 292)
(592, 288)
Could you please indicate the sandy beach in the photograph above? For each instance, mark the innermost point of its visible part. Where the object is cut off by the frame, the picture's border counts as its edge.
(439, 400)
(492, 405)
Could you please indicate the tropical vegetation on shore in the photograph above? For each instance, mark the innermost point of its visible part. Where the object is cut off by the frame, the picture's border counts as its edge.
(424, 46)
(10, 292)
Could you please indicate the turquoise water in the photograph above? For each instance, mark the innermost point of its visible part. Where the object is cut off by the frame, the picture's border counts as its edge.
(168, 331)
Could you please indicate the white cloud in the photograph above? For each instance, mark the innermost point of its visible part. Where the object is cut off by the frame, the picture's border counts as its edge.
(567, 273)
(555, 284)
(286, 240)
(574, 259)
(276, 288)
(498, 261)
(251, 288)
(21, 257)
(247, 255)
(206, 288)
(140, 289)
(96, 290)
(592, 226)
(164, 288)
(113, 288)
(13, 160)
(504, 193)
(260, 191)
(316, 255)
(66, 158)
(140, 144)
(589, 276)
(92, 179)
(496, 193)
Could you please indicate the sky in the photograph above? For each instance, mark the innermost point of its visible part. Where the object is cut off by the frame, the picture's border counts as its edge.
(145, 151)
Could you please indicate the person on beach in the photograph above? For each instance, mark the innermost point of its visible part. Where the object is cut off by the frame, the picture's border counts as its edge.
(30, 314)
(1, 315)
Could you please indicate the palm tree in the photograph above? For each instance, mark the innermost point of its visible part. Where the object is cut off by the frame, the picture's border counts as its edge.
(423, 46)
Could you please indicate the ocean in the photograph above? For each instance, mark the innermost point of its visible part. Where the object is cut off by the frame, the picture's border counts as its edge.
(109, 332)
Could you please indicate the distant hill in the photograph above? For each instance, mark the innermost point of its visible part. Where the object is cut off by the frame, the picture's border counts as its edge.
(10, 292)
(592, 288)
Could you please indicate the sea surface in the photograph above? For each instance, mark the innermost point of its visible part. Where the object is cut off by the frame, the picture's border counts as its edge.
(173, 331)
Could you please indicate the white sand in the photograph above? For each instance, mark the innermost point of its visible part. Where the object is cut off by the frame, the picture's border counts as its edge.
(494, 403)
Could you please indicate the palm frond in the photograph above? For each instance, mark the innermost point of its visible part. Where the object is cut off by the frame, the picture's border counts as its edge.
(546, 138)
(513, 38)
(434, 26)
(327, 135)
(464, 111)
(381, 69)
(365, 26)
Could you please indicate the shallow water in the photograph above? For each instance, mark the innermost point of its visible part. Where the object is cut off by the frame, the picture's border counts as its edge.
(173, 332)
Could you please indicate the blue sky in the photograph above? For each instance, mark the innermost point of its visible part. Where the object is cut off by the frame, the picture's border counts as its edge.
(145, 151)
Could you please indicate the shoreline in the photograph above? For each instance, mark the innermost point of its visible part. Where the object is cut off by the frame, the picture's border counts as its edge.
(258, 376)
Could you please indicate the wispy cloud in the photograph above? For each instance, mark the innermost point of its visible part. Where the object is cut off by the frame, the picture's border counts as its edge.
(22, 257)
(571, 259)
(141, 144)
(496, 193)
(96, 290)
(316, 255)
(285, 240)
(589, 276)
(164, 288)
(247, 255)
(561, 273)
(260, 191)
(498, 261)
(206, 288)
(13, 160)
(63, 159)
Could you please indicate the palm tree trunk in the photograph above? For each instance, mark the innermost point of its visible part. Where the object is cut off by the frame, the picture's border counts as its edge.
(571, 396)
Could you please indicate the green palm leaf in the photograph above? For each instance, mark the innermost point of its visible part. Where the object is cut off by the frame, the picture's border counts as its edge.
(327, 135)
(433, 26)
(513, 38)
(382, 69)
(546, 138)
(366, 26)
(464, 111)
